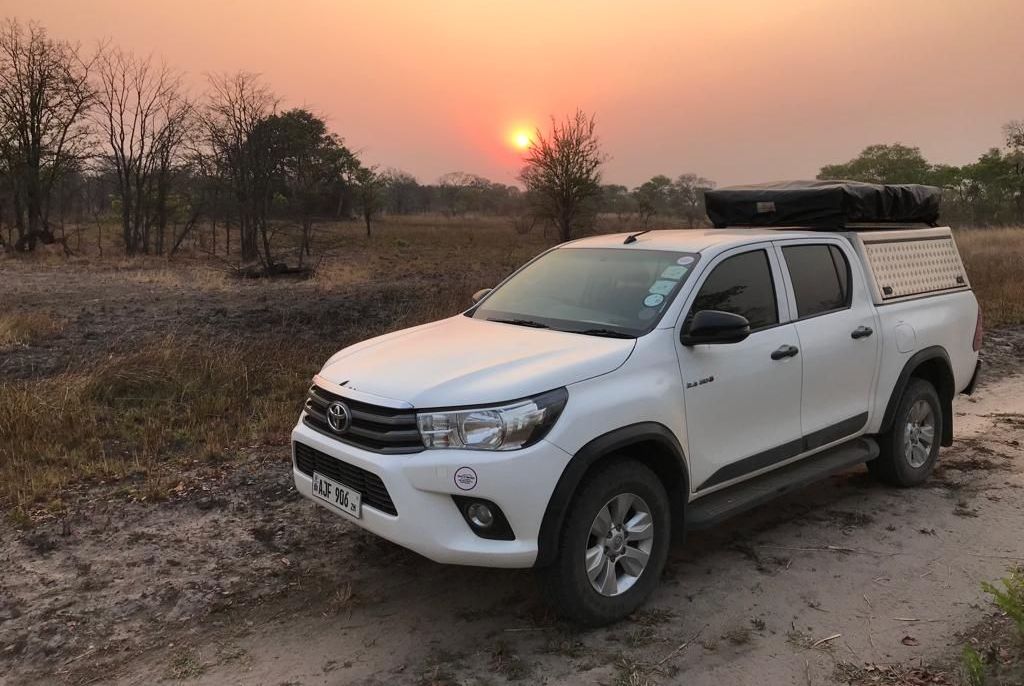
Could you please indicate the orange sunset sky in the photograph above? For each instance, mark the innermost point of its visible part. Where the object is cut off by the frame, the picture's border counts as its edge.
(735, 90)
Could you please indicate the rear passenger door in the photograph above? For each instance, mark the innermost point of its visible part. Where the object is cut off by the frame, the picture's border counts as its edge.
(742, 399)
(837, 327)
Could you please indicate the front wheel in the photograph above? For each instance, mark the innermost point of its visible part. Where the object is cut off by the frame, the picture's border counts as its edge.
(613, 545)
(908, 451)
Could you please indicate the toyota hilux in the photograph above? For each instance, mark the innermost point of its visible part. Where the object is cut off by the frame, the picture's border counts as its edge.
(619, 389)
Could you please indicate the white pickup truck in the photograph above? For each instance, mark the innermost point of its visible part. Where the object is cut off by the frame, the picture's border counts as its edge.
(621, 388)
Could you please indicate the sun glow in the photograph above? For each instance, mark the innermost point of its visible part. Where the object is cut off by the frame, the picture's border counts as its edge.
(521, 139)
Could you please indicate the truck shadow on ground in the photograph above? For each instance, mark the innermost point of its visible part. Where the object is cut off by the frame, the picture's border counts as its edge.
(830, 511)
(465, 617)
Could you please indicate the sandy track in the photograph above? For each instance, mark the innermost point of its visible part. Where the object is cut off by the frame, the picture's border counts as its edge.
(895, 573)
(240, 581)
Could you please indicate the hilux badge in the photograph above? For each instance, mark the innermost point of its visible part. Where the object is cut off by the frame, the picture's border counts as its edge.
(338, 417)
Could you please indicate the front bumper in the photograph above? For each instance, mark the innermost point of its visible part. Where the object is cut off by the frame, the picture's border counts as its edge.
(421, 486)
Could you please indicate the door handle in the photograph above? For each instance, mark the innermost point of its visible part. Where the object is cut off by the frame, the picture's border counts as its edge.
(862, 332)
(785, 351)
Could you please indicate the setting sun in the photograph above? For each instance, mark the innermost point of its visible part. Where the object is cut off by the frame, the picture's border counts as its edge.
(521, 139)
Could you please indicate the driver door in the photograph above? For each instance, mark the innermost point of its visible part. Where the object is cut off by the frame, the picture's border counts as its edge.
(742, 401)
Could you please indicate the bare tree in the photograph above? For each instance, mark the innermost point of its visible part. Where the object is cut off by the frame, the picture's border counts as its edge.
(457, 188)
(563, 173)
(652, 197)
(44, 95)
(403, 189)
(688, 196)
(236, 109)
(370, 186)
(144, 117)
(1014, 133)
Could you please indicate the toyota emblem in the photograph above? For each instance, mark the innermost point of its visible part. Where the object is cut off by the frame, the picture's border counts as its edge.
(338, 417)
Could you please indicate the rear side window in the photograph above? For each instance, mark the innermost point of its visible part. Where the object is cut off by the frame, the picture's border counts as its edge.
(741, 284)
(820, 276)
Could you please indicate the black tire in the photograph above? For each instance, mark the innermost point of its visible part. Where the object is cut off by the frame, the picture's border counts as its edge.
(894, 465)
(565, 582)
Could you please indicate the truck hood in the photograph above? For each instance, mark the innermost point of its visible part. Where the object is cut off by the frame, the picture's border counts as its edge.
(466, 361)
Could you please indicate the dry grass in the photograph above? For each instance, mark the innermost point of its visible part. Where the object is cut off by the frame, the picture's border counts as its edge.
(25, 328)
(142, 417)
(83, 242)
(161, 273)
(435, 247)
(995, 264)
(139, 419)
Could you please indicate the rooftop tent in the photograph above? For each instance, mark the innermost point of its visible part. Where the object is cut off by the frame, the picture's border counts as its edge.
(826, 204)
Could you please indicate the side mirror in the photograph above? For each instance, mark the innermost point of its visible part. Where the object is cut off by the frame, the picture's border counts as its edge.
(715, 326)
(479, 295)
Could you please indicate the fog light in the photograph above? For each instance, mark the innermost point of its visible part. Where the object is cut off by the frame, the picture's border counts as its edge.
(484, 518)
(480, 515)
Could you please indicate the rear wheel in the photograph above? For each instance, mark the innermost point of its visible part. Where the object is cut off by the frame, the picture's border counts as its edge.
(908, 451)
(612, 547)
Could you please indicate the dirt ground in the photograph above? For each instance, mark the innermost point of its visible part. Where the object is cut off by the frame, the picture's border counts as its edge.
(236, 580)
(109, 311)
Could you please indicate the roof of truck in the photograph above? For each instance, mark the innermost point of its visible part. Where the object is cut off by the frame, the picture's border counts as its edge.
(690, 240)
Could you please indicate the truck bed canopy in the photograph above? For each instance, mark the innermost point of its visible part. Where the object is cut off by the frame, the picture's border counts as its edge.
(824, 204)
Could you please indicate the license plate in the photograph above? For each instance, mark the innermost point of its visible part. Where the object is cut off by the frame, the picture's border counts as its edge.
(338, 496)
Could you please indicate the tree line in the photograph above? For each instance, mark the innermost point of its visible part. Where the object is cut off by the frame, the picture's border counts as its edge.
(989, 191)
(90, 136)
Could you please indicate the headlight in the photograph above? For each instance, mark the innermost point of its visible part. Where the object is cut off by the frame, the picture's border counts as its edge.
(506, 427)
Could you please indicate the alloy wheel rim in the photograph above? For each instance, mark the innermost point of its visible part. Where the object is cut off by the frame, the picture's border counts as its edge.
(919, 434)
(619, 544)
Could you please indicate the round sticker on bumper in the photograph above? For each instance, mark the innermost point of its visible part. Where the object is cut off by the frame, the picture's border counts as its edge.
(465, 479)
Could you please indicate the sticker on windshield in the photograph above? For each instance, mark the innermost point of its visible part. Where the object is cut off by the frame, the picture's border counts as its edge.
(662, 287)
(674, 273)
(685, 260)
(654, 299)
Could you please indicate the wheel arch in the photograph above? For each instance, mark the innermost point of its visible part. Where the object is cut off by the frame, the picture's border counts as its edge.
(651, 443)
(931, 364)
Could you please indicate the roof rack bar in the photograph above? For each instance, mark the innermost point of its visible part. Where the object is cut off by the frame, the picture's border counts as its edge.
(852, 226)
(882, 226)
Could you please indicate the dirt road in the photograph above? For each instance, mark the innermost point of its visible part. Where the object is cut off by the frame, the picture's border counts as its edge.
(241, 582)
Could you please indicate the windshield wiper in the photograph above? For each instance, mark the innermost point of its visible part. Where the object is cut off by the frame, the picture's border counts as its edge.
(607, 333)
(521, 322)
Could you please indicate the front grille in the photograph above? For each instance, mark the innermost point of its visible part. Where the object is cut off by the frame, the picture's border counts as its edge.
(379, 429)
(374, 493)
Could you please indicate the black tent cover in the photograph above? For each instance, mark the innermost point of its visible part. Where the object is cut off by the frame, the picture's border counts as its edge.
(825, 204)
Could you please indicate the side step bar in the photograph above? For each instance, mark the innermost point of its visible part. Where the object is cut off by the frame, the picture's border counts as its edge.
(711, 509)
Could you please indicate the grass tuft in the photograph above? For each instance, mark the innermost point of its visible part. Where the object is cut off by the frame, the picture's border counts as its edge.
(26, 328)
(972, 667)
(1010, 598)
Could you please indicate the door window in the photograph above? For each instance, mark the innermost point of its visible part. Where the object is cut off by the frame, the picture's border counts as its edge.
(741, 284)
(821, 278)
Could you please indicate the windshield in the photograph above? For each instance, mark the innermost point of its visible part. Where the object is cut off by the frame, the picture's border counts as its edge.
(598, 291)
